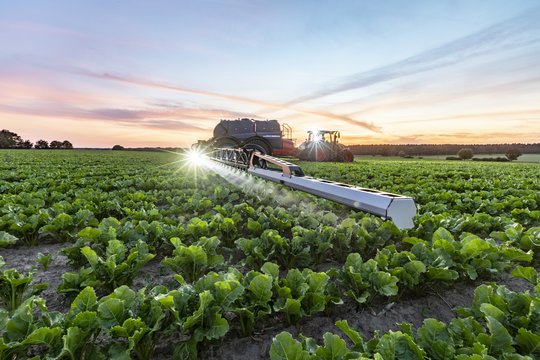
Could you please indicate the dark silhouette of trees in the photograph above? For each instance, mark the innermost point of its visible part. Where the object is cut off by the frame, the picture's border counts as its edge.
(465, 154)
(55, 144)
(26, 144)
(440, 149)
(512, 154)
(118, 147)
(10, 140)
(67, 145)
(41, 144)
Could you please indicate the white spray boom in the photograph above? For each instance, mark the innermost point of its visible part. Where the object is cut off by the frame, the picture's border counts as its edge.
(398, 208)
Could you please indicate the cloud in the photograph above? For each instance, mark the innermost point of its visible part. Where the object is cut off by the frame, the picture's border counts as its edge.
(419, 96)
(515, 33)
(507, 115)
(18, 26)
(158, 118)
(160, 85)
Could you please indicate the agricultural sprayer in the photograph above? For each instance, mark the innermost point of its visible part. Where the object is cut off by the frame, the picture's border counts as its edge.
(398, 208)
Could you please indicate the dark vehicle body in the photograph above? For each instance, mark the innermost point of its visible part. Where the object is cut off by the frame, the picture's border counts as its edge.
(266, 136)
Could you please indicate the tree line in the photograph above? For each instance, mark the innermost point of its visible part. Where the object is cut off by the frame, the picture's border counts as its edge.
(11, 140)
(440, 149)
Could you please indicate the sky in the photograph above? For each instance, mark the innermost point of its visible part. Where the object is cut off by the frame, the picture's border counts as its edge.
(163, 73)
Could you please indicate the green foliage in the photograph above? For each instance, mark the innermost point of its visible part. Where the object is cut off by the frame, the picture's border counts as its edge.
(284, 347)
(15, 288)
(501, 324)
(303, 293)
(465, 154)
(25, 328)
(512, 154)
(117, 267)
(44, 260)
(194, 260)
(271, 246)
(528, 273)
(475, 221)
(364, 280)
(7, 239)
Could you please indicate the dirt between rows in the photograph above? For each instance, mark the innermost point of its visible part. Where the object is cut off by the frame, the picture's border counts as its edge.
(382, 317)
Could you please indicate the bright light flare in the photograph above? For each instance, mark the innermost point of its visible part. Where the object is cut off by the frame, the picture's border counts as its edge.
(316, 135)
(195, 157)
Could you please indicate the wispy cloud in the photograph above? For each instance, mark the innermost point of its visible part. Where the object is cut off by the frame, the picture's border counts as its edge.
(507, 115)
(165, 86)
(42, 28)
(401, 99)
(518, 32)
(168, 118)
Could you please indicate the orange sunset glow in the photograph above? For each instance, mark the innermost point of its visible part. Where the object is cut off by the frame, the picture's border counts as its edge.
(164, 74)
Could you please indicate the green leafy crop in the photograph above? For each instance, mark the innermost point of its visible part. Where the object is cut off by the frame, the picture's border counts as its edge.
(194, 260)
(15, 288)
(117, 267)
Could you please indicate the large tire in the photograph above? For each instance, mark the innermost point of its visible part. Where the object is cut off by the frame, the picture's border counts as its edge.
(320, 155)
(259, 145)
(346, 156)
(303, 155)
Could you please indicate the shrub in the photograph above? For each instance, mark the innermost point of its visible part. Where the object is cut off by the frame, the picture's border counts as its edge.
(495, 159)
(512, 154)
(465, 153)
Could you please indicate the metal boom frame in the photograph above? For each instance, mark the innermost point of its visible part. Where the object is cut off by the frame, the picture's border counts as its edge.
(398, 208)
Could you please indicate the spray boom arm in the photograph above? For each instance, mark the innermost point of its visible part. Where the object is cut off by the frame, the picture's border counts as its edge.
(400, 209)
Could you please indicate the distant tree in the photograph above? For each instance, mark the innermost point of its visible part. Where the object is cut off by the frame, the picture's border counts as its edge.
(26, 144)
(118, 147)
(402, 153)
(41, 144)
(512, 154)
(9, 140)
(67, 145)
(55, 144)
(465, 154)
(386, 152)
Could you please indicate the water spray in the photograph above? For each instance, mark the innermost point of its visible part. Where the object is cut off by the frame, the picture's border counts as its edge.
(233, 164)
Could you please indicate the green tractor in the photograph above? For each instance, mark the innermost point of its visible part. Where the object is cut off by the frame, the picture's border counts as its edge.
(323, 145)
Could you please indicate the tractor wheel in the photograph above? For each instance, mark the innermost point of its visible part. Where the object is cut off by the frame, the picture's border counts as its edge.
(259, 146)
(303, 155)
(320, 155)
(346, 156)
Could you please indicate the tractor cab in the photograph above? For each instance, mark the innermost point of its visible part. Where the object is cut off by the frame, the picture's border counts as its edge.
(330, 136)
(323, 145)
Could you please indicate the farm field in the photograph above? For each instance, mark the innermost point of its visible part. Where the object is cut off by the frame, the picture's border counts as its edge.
(135, 255)
(534, 158)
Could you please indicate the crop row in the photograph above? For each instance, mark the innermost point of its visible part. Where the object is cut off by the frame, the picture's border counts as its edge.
(128, 324)
(242, 255)
(500, 324)
(199, 307)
